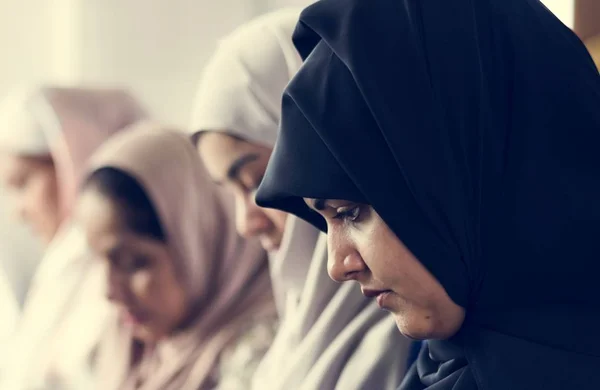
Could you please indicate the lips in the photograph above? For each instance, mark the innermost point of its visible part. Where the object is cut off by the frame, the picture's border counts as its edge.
(133, 318)
(380, 295)
(372, 293)
(268, 243)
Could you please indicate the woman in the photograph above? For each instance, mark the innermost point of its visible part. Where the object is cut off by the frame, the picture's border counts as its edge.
(47, 136)
(454, 166)
(330, 337)
(188, 289)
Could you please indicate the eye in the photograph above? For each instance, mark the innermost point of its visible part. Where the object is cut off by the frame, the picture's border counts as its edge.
(348, 214)
(139, 262)
(18, 182)
(135, 264)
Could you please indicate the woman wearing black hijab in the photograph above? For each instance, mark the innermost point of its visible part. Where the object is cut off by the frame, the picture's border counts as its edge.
(450, 149)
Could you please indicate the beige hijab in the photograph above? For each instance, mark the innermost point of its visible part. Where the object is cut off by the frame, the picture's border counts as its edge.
(64, 312)
(84, 119)
(225, 275)
(330, 336)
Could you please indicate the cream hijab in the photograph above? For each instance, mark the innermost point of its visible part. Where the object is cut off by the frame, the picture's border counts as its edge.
(65, 311)
(330, 336)
(223, 274)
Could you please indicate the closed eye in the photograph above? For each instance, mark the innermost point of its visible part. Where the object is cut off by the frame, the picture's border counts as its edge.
(139, 263)
(18, 182)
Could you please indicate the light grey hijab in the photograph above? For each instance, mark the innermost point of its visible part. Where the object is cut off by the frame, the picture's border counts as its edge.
(330, 337)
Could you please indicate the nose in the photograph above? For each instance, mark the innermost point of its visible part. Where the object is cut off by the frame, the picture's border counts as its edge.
(344, 262)
(115, 291)
(250, 220)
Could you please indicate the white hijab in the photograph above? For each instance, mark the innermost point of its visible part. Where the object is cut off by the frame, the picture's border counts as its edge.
(65, 309)
(330, 337)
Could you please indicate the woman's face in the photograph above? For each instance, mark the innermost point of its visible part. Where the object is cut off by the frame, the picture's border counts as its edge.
(240, 166)
(142, 280)
(33, 183)
(363, 248)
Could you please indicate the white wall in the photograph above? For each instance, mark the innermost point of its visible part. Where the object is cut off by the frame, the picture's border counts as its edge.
(24, 33)
(563, 9)
(158, 48)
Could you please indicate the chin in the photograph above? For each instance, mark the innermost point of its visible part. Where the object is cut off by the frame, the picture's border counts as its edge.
(269, 245)
(46, 236)
(145, 335)
(424, 327)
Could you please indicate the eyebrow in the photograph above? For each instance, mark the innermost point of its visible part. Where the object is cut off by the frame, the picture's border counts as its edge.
(235, 167)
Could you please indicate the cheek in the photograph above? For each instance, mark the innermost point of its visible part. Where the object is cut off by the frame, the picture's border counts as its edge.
(161, 293)
(175, 305)
(143, 286)
(389, 261)
(277, 217)
(240, 201)
(42, 196)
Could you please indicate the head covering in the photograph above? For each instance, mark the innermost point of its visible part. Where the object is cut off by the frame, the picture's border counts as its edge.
(475, 138)
(240, 88)
(20, 133)
(223, 274)
(322, 339)
(66, 123)
(65, 310)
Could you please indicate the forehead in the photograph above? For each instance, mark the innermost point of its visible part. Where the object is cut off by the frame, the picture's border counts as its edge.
(219, 151)
(14, 164)
(99, 217)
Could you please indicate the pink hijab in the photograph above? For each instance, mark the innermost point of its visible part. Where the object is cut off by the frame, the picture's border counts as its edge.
(77, 121)
(68, 124)
(63, 316)
(223, 274)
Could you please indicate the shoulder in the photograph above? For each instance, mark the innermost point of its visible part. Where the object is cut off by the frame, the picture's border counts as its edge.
(240, 360)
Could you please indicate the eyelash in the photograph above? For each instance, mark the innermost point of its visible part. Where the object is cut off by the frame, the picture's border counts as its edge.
(348, 214)
(134, 264)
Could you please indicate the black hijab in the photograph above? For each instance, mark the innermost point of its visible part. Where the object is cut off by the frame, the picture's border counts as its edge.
(473, 128)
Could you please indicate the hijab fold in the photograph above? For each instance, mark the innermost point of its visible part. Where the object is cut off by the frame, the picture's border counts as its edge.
(471, 129)
(65, 310)
(330, 336)
(223, 274)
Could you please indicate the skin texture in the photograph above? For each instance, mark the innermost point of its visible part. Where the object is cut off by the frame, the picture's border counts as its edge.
(587, 18)
(33, 183)
(587, 26)
(142, 280)
(239, 166)
(364, 249)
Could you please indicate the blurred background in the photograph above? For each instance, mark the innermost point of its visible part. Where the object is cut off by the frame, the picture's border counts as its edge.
(156, 48)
